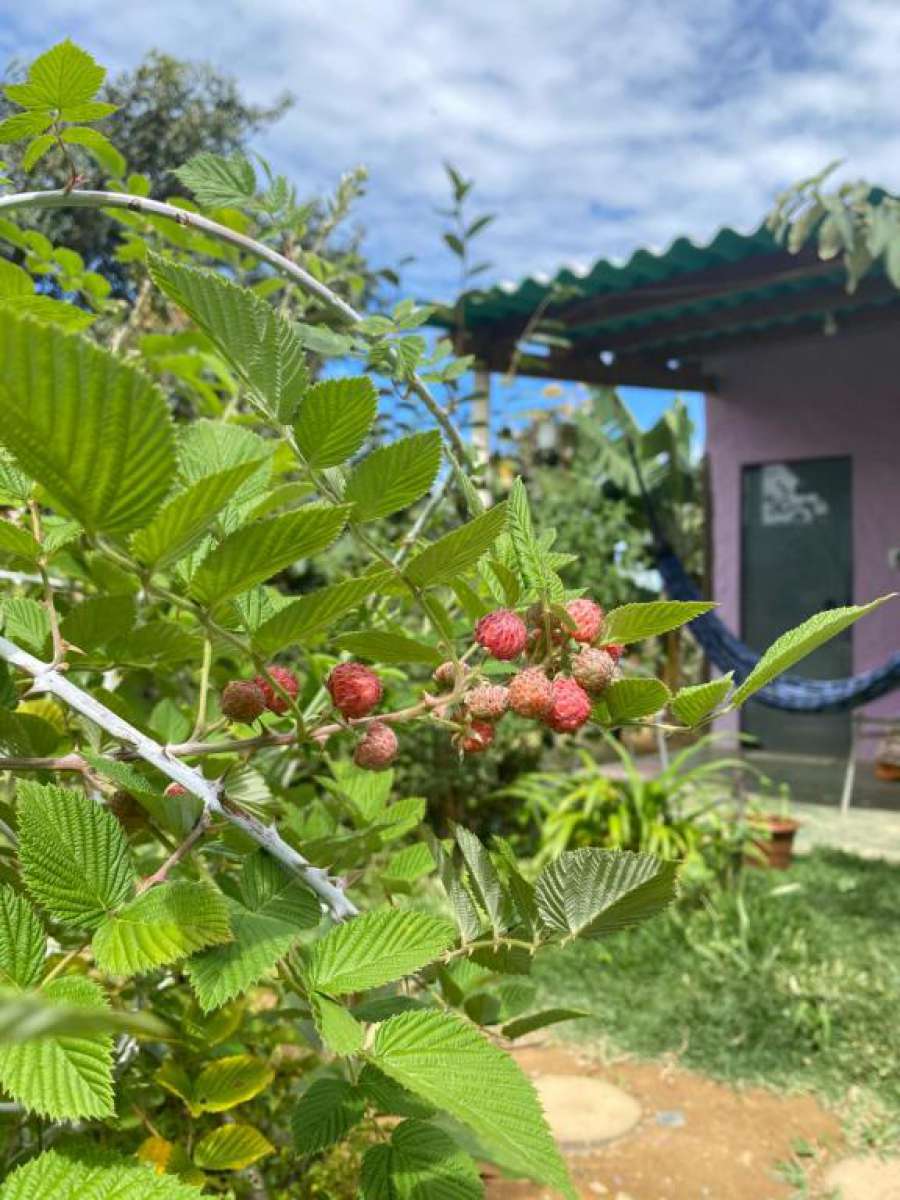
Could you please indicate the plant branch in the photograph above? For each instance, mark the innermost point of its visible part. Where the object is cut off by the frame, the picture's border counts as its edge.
(432, 705)
(46, 679)
(180, 852)
(200, 722)
(59, 649)
(75, 198)
(124, 331)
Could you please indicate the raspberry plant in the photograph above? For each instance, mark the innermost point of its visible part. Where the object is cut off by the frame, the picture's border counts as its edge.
(212, 903)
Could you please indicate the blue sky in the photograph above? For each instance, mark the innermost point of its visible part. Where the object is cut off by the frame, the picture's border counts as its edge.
(591, 126)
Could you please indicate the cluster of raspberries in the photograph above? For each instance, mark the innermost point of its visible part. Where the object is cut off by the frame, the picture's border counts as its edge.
(557, 688)
(355, 691)
(246, 699)
(564, 672)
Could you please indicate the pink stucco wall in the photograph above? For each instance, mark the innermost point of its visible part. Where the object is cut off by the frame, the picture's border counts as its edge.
(830, 396)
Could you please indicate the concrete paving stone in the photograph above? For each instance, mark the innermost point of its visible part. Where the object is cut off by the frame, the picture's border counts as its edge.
(584, 1112)
(865, 1178)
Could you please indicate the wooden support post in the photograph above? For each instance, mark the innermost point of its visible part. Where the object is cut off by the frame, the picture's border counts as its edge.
(481, 429)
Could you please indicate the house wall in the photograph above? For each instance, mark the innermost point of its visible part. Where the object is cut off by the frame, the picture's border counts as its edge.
(830, 396)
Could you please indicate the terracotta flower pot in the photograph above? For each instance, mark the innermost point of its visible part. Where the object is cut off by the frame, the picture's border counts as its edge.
(776, 849)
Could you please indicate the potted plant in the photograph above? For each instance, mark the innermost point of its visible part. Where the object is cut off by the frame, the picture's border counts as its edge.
(772, 832)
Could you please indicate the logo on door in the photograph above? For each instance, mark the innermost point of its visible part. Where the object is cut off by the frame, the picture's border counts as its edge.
(782, 502)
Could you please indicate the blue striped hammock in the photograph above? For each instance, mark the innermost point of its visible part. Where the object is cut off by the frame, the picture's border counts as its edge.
(791, 693)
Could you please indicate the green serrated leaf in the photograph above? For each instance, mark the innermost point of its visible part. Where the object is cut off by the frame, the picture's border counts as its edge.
(540, 1020)
(691, 705)
(47, 311)
(633, 622)
(26, 621)
(422, 1162)
(312, 614)
(384, 1094)
(98, 146)
(457, 551)
(18, 542)
(380, 646)
(527, 550)
(182, 521)
(89, 110)
(400, 818)
(93, 430)
(60, 77)
(340, 1032)
(15, 488)
(14, 282)
(26, 1016)
(75, 859)
(406, 866)
(23, 125)
(522, 890)
(98, 620)
(631, 699)
(798, 642)
(231, 1148)
(590, 892)
(23, 942)
(65, 1076)
(219, 182)
(158, 643)
(395, 476)
(273, 909)
(27, 735)
(375, 949)
(262, 347)
(81, 1174)
(335, 418)
(162, 925)
(325, 1114)
(227, 1082)
(366, 792)
(484, 878)
(464, 910)
(451, 1064)
(257, 552)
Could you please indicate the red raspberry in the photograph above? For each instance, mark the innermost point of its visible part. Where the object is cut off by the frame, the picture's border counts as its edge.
(502, 633)
(242, 700)
(615, 651)
(175, 789)
(488, 702)
(594, 669)
(477, 738)
(530, 693)
(588, 618)
(571, 705)
(378, 748)
(355, 689)
(286, 679)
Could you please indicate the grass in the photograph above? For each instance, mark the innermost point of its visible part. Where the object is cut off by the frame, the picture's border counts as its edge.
(793, 981)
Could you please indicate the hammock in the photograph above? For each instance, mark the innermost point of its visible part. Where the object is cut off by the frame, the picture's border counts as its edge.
(790, 693)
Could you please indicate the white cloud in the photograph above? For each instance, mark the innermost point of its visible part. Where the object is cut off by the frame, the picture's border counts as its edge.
(591, 126)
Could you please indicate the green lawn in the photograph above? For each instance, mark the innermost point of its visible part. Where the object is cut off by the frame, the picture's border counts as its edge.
(794, 981)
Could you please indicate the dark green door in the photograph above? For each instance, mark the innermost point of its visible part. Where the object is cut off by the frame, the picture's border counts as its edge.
(797, 558)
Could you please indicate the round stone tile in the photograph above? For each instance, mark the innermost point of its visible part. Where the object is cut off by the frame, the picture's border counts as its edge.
(584, 1112)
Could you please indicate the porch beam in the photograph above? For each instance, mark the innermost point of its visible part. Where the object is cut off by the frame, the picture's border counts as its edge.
(662, 334)
(631, 372)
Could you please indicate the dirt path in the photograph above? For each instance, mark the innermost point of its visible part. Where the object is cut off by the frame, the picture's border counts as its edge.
(693, 1139)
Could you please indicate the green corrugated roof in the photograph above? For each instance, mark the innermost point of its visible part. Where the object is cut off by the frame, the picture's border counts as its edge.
(616, 300)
